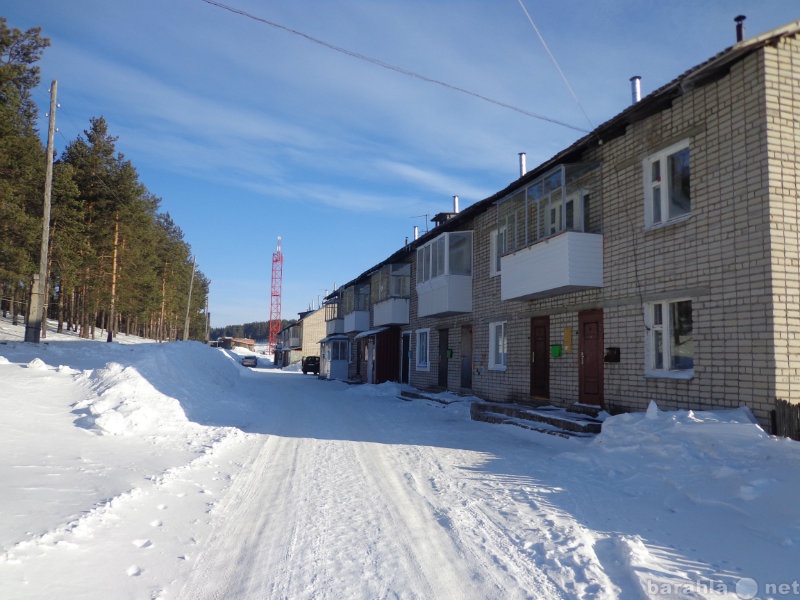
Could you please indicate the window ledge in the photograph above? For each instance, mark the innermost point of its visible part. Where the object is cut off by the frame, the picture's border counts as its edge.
(678, 375)
(499, 368)
(663, 224)
(423, 368)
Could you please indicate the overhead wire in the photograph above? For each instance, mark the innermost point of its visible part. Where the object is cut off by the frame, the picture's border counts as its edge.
(391, 67)
(555, 62)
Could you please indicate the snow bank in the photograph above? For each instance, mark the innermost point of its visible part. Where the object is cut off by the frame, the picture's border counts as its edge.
(125, 403)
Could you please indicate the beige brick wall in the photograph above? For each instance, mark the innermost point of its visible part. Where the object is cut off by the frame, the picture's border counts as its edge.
(782, 68)
(313, 332)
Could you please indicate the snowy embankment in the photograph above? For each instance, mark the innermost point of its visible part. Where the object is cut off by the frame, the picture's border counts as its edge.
(170, 471)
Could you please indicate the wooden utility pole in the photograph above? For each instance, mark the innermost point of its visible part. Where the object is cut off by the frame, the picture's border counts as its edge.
(33, 327)
(112, 319)
(189, 302)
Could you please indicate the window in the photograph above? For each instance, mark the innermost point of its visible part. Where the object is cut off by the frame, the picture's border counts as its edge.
(448, 254)
(498, 346)
(340, 350)
(423, 335)
(666, 185)
(670, 344)
(332, 310)
(497, 247)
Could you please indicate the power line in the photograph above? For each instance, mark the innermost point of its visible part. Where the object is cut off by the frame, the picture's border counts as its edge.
(555, 62)
(391, 67)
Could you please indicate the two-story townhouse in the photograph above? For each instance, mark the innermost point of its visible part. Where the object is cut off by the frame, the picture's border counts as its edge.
(301, 338)
(657, 258)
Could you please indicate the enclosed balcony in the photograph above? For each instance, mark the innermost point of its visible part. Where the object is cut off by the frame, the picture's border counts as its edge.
(334, 322)
(444, 275)
(390, 295)
(549, 235)
(355, 305)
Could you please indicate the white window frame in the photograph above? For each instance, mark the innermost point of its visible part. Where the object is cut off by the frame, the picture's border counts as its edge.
(657, 190)
(497, 247)
(498, 346)
(422, 353)
(339, 344)
(659, 335)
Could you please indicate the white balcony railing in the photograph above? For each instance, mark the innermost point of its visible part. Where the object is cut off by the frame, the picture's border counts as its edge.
(568, 262)
(445, 295)
(393, 311)
(334, 326)
(358, 320)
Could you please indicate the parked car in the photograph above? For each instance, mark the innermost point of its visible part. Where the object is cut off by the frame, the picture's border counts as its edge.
(250, 361)
(311, 364)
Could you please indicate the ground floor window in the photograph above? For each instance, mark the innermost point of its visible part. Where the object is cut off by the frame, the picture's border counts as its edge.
(498, 346)
(423, 337)
(670, 343)
(340, 350)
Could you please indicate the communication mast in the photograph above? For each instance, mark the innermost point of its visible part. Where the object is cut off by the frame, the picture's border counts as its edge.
(275, 297)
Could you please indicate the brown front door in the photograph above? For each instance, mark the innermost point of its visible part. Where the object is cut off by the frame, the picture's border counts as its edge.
(590, 353)
(466, 356)
(444, 341)
(540, 357)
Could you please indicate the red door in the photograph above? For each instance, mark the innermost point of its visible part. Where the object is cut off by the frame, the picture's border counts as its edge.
(590, 354)
(540, 357)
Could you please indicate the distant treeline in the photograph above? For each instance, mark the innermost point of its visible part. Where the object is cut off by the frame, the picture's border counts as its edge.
(114, 260)
(258, 331)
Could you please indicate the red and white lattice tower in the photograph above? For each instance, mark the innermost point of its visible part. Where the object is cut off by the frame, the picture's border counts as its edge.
(275, 297)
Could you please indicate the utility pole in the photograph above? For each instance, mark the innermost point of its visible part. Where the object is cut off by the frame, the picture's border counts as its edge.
(189, 302)
(33, 326)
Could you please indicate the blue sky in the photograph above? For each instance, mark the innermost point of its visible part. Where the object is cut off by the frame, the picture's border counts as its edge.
(248, 132)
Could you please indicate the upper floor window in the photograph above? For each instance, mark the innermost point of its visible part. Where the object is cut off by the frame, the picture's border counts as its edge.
(497, 247)
(332, 310)
(666, 185)
(391, 281)
(670, 344)
(448, 254)
(355, 298)
(566, 198)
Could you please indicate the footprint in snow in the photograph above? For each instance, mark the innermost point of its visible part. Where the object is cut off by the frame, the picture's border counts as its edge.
(143, 543)
(133, 571)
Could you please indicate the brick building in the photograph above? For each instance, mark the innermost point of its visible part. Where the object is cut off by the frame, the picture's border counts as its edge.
(657, 258)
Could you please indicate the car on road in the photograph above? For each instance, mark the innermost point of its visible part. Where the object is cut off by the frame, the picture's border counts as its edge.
(311, 365)
(250, 361)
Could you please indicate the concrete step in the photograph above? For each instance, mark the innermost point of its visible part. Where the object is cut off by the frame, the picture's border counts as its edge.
(548, 419)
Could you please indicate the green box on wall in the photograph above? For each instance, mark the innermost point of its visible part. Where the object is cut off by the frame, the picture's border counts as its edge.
(556, 350)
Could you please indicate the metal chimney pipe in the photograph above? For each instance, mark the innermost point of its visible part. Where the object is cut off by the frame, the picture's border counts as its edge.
(739, 27)
(455, 204)
(636, 89)
(522, 167)
(416, 232)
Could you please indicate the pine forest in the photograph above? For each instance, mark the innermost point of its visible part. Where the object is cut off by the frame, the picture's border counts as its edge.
(115, 262)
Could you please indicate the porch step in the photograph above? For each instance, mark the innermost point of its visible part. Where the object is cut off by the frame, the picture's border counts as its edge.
(416, 395)
(547, 419)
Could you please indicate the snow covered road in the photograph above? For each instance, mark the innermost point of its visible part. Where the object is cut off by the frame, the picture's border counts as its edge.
(171, 471)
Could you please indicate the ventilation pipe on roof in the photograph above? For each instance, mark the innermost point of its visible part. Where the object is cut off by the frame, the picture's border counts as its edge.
(739, 27)
(455, 204)
(636, 89)
(416, 232)
(522, 167)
